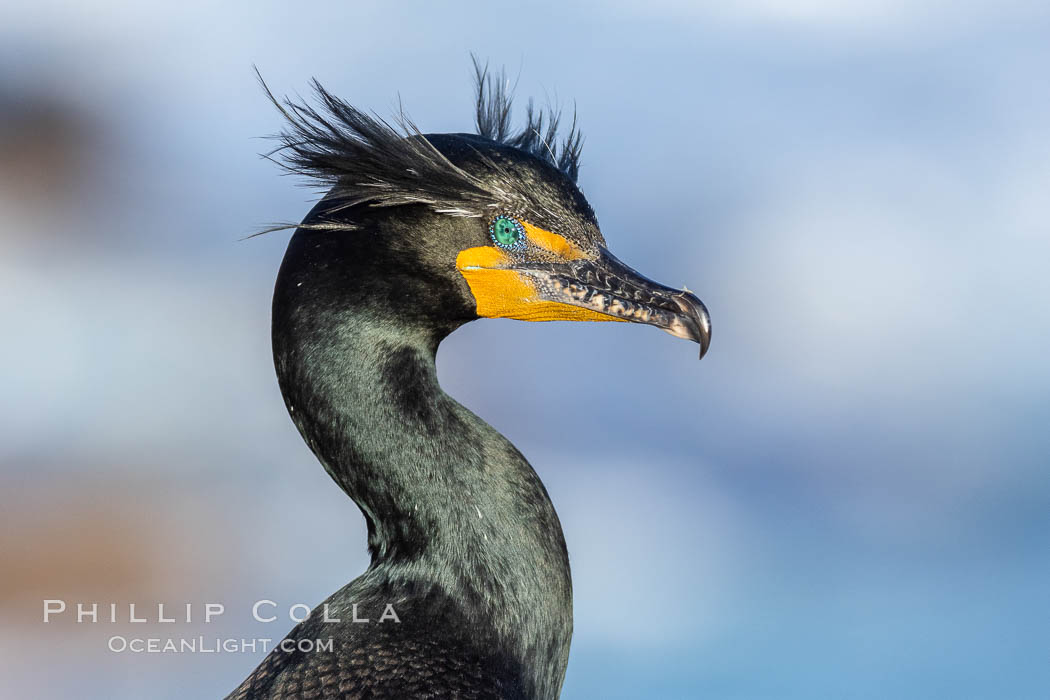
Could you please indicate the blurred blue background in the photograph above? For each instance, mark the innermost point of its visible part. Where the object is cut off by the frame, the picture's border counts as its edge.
(848, 498)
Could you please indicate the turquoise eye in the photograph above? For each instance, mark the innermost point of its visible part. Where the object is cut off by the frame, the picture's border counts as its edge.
(507, 232)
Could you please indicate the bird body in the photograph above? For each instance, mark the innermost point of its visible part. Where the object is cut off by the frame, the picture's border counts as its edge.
(468, 594)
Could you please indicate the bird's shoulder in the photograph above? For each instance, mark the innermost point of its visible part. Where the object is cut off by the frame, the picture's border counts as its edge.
(427, 653)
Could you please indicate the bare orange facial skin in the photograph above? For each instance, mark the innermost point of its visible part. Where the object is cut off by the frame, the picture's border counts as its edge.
(500, 291)
(552, 242)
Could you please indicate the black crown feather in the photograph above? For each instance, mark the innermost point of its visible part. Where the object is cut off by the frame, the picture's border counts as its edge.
(540, 133)
(364, 159)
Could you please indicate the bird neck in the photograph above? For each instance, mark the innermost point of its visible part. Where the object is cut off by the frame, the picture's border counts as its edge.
(447, 499)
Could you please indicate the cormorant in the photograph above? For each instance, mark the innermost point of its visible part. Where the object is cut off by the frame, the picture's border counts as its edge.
(417, 235)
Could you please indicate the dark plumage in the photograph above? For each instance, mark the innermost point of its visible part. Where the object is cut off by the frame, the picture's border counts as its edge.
(538, 137)
(361, 158)
(464, 541)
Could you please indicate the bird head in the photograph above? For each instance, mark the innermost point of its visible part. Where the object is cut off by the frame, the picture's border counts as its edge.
(486, 225)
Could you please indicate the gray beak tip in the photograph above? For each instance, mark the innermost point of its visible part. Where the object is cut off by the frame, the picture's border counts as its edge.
(695, 322)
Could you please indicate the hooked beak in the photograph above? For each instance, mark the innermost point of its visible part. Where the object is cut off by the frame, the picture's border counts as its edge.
(582, 289)
(611, 288)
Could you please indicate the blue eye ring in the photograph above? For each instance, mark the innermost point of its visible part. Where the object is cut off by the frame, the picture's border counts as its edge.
(507, 232)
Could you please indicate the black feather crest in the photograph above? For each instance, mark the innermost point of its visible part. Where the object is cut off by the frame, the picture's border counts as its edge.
(540, 133)
(364, 159)
(360, 158)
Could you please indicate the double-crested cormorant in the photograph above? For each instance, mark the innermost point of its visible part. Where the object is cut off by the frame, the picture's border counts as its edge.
(418, 235)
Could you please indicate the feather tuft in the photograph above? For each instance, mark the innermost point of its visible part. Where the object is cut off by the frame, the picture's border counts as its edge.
(359, 158)
(363, 159)
(538, 137)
